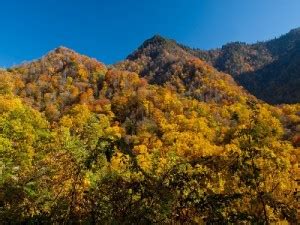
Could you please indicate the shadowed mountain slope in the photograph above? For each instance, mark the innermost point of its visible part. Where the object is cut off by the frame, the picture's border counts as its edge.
(269, 70)
(164, 62)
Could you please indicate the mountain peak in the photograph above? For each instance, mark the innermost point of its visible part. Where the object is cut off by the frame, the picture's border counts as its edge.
(295, 31)
(156, 40)
(61, 60)
(63, 50)
(154, 46)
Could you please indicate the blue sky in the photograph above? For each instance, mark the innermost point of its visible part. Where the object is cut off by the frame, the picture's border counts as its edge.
(110, 30)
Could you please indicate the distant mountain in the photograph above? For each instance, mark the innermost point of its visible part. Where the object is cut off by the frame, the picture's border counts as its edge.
(270, 70)
(162, 61)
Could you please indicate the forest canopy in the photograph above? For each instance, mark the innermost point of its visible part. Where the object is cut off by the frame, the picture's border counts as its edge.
(84, 143)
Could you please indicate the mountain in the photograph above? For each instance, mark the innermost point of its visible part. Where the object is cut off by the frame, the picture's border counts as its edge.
(57, 81)
(269, 70)
(163, 62)
(162, 137)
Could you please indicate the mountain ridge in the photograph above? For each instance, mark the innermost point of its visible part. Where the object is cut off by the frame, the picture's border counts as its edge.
(246, 63)
(262, 68)
(163, 62)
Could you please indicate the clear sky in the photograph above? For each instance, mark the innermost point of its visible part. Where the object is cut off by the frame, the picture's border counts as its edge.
(110, 29)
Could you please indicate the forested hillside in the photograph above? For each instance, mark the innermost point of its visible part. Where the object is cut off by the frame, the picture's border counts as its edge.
(262, 69)
(269, 70)
(161, 137)
(163, 62)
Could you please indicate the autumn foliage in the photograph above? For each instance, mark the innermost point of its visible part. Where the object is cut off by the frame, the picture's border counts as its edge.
(81, 143)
